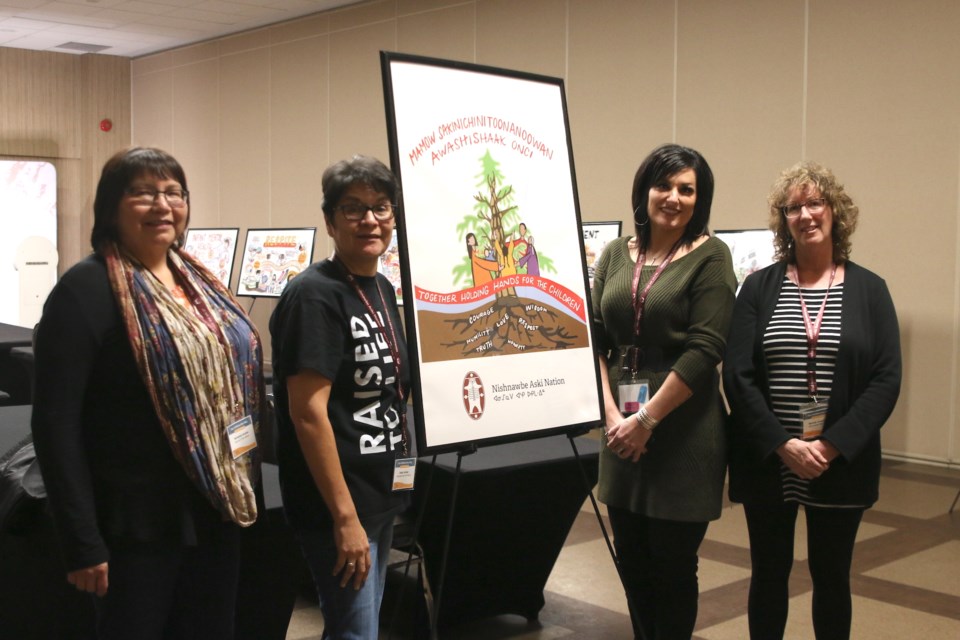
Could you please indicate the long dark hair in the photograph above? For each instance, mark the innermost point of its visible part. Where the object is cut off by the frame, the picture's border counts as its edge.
(122, 169)
(663, 162)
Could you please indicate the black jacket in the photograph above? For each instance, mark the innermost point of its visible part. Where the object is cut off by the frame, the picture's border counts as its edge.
(864, 391)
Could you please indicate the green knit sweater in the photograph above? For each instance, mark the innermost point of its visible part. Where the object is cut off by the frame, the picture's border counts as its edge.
(685, 325)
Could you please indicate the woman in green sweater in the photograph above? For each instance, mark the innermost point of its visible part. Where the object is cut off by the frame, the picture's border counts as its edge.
(662, 302)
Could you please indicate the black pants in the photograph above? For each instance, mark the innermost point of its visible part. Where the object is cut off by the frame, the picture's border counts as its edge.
(658, 561)
(163, 592)
(831, 534)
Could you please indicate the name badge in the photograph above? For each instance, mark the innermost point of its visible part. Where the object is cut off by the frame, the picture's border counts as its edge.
(812, 416)
(404, 472)
(633, 395)
(243, 438)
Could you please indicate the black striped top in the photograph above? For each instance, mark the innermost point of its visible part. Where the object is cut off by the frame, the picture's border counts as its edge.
(785, 347)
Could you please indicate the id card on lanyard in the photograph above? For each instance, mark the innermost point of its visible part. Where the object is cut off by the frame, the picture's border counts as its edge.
(634, 392)
(813, 414)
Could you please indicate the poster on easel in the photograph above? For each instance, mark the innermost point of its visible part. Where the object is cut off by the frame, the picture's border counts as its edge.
(215, 249)
(271, 258)
(496, 299)
(596, 237)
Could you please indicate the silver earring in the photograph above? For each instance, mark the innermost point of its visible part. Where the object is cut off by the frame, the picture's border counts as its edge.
(636, 214)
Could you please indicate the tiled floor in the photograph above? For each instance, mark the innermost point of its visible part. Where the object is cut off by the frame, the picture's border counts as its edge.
(906, 575)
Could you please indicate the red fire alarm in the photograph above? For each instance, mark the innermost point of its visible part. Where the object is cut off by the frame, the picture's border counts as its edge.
(106, 124)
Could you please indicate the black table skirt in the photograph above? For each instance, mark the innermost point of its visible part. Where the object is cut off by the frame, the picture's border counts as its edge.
(515, 506)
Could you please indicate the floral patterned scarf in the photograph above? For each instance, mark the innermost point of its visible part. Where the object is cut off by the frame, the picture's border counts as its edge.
(202, 368)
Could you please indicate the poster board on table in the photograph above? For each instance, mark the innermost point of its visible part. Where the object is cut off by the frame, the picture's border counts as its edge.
(273, 257)
(752, 250)
(216, 249)
(390, 267)
(496, 300)
(28, 239)
(596, 236)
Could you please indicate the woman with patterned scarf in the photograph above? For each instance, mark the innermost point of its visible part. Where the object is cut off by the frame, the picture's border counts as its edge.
(148, 400)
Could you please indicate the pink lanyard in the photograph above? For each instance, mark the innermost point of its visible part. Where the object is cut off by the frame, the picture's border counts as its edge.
(392, 344)
(812, 328)
(640, 298)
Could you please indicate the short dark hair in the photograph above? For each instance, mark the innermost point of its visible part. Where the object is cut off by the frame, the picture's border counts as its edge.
(118, 173)
(663, 162)
(339, 177)
(820, 178)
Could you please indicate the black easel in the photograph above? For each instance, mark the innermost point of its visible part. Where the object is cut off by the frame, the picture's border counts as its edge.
(435, 622)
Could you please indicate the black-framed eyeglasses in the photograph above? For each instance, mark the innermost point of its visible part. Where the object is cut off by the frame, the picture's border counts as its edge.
(148, 195)
(357, 211)
(813, 205)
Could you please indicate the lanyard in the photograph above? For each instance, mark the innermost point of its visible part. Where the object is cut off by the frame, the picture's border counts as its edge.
(812, 328)
(640, 298)
(392, 345)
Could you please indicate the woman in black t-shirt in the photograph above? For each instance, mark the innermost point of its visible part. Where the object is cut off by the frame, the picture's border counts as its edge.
(340, 378)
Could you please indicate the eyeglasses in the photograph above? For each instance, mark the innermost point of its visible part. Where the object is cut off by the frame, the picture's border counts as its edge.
(357, 211)
(814, 206)
(146, 196)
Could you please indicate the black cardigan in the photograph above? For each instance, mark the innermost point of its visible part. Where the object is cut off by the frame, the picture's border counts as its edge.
(864, 392)
(109, 470)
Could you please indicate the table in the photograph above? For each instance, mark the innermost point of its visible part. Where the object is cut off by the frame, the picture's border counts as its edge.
(12, 335)
(515, 506)
(35, 600)
(13, 380)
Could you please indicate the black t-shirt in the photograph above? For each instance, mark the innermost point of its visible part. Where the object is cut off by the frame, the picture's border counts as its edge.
(321, 324)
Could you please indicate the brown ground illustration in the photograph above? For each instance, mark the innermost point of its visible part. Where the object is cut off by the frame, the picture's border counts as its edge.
(506, 325)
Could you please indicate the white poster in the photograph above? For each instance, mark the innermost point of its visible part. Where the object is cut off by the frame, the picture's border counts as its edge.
(752, 250)
(28, 239)
(390, 266)
(496, 301)
(273, 257)
(215, 249)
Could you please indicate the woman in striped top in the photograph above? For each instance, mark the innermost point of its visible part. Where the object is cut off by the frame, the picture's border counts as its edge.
(812, 372)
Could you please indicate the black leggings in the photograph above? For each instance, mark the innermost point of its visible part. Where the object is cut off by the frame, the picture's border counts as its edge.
(658, 560)
(831, 534)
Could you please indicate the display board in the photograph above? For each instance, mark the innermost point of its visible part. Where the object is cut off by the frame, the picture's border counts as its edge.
(752, 250)
(28, 239)
(390, 266)
(273, 257)
(492, 263)
(596, 236)
(215, 248)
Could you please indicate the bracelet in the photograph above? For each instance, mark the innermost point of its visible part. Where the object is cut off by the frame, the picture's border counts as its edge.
(646, 420)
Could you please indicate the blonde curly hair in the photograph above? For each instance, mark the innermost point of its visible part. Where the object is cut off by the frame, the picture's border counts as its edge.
(822, 180)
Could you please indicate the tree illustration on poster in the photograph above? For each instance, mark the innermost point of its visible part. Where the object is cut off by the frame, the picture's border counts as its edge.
(491, 254)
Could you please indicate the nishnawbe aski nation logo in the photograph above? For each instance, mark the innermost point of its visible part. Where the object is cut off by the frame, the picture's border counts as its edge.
(474, 398)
